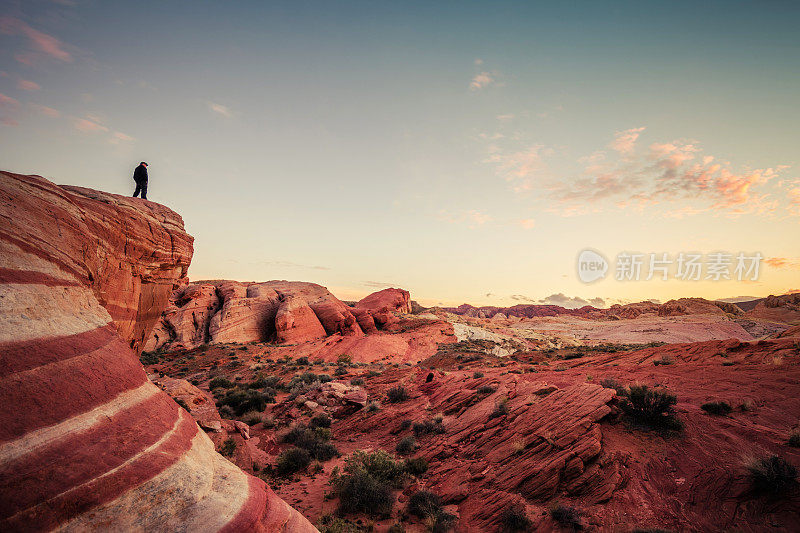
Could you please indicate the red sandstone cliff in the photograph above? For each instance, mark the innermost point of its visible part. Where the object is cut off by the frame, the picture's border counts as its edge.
(86, 441)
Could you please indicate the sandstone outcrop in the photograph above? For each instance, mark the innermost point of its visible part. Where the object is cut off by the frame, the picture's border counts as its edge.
(286, 312)
(87, 442)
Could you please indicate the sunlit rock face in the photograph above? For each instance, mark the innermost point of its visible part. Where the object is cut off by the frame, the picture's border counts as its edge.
(86, 441)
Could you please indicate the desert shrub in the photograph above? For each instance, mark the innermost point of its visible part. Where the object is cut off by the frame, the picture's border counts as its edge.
(292, 460)
(344, 359)
(329, 523)
(396, 528)
(794, 440)
(651, 407)
(500, 409)
(217, 383)
(321, 420)
(514, 518)
(405, 424)
(228, 447)
(477, 375)
(366, 483)
(424, 503)
(244, 400)
(664, 360)
(427, 427)
(373, 374)
(611, 383)
(251, 418)
(313, 441)
(406, 446)
(717, 408)
(772, 475)
(149, 358)
(373, 407)
(265, 382)
(268, 421)
(416, 466)
(302, 361)
(486, 389)
(566, 516)
(340, 371)
(302, 387)
(357, 382)
(397, 394)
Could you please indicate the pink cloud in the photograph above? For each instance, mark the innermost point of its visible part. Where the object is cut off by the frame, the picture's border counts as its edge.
(526, 223)
(7, 101)
(118, 137)
(87, 125)
(46, 111)
(6, 121)
(39, 41)
(625, 141)
(27, 85)
(479, 81)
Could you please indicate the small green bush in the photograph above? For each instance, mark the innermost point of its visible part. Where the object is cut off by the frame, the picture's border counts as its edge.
(427, 427)
(227, 448)
(794, 440)
(244, 400)
(219, 382)
(486, 389)
(357, 382)
(344, 359)
(773, 475)
(477, 375)
(313, 441)
(651, 407)
(406, 446)
(321, 420)
(366, 484)
(292, 460)
(424, 503)
(514, 518)
(416, 466)
(397, 394)
(500, 409)
(717, 408)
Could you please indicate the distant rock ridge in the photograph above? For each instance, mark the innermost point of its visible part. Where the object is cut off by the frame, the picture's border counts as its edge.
(87, 442)
(681, 306)
(286, 312)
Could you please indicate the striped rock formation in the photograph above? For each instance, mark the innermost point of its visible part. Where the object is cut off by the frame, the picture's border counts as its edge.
(222, 311)
(86, 441)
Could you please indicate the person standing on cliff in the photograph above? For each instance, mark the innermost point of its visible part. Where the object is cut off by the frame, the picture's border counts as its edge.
(140, 177)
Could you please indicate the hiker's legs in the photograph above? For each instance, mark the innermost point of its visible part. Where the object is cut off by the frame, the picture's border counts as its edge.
(144, 191)
(141, 187)
(138, 188)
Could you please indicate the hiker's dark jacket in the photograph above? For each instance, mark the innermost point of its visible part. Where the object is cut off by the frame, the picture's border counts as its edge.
(140, 174)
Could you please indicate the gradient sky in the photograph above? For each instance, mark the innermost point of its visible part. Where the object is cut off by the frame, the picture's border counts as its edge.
(466, 151)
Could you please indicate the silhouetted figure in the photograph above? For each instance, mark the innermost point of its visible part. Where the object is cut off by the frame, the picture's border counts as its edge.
(140, 177)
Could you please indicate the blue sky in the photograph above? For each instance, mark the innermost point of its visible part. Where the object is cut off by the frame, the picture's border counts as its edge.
(464, 151)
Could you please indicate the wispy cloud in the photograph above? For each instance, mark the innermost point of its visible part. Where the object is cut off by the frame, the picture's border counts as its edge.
(561, 299)
(118, 138)
(27, 85)
(677, 174)
(625, 141)
(220, 109)
(526, 223)
(506, 117)
(380, 284)
(89, 125)
(7, 101)
(8, 107)
(46, 111)
(481, 80)
(471, 218)
(39, 43)
(791, 263)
